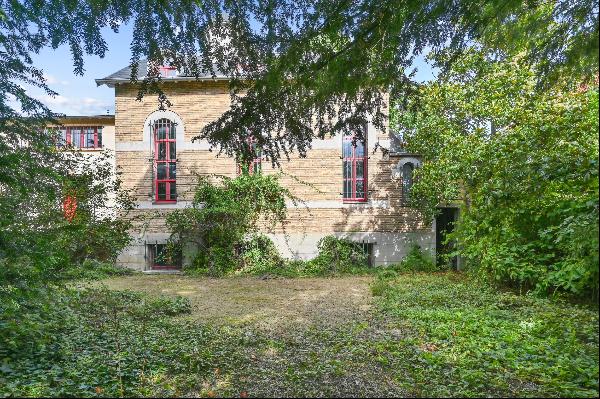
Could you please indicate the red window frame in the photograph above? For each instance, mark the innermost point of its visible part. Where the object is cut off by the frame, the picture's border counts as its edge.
(175, 263)
(354, 159)
(165, 158)
(77, 136)
(255, 165)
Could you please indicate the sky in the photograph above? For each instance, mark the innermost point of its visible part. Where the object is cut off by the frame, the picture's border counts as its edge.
(79, 95)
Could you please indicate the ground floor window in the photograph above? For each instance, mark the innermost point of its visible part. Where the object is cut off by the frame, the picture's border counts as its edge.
(254, 165)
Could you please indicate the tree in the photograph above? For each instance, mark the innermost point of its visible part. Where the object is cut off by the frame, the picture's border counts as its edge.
(306, 68)
(524, 165)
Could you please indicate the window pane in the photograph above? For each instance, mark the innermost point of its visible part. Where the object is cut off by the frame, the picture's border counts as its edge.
(173, 188)
(360, 189)
(172, 170)
(99, 137)
(360, 149)
(76, 137)
(89, 138)
(162, 151)
(62, 137)
(161, 171)
(347, 169)
(347, 148)
(347, 188)
(171, 130)
(161, 255)
(172, 151)
(162, 192)
(360, 169)
(161, 131)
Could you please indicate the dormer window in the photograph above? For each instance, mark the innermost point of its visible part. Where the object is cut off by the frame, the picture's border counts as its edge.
(167, 71)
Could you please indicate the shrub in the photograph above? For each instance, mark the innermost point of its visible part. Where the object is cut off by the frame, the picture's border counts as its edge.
(224, 212)
(260, 256)
(416, 261)
(337, 255)
(92, 269)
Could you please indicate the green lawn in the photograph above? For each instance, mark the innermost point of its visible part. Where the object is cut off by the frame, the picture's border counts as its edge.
(422, 335)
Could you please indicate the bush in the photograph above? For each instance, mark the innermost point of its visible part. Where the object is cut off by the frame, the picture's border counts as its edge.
(416, 261)
(260, 256)
(224, 212)
(337, 255)
(96, 342)
(92, 269)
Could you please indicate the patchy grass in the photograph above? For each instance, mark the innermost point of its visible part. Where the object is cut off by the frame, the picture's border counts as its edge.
(266, 304)
(423, 335)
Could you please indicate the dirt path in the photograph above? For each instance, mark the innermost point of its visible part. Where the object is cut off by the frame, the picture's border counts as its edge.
(266, 304)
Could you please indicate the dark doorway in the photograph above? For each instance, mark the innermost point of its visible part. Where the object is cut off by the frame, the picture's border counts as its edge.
(444, 224)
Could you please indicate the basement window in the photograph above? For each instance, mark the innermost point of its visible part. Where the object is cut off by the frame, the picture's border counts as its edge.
(161, 259)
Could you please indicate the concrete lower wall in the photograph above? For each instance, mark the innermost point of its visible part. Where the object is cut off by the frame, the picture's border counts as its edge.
(388, 248)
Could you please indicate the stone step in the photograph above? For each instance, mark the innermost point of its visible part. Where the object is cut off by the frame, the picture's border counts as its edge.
(161, 271)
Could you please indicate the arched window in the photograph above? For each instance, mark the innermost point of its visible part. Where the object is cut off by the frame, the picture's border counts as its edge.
(165, 161)
(354, 156)
(407, 180)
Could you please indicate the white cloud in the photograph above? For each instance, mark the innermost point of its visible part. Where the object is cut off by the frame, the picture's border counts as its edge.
(52, 80)
(76, 105)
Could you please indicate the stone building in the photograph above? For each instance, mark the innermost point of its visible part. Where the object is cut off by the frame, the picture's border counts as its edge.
(360, 194)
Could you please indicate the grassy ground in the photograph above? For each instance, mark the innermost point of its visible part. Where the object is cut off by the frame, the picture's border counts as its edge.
(269, 304)
(422, 335)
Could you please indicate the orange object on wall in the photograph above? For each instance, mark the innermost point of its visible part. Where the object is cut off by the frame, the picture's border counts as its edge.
(70, 207)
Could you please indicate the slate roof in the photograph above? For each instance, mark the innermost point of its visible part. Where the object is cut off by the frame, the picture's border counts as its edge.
(123, 75)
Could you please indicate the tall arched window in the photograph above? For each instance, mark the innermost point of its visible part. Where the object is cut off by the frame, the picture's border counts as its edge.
(407, 180)
(165, 161)
(354, 156)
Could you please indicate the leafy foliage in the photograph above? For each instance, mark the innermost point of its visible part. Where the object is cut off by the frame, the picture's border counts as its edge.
(95, 342)
(469, 340)
(337, 255)
(416, 260)
(524, 164)
(223, 214)
(260, 256)
(38, 242)
(304, 63)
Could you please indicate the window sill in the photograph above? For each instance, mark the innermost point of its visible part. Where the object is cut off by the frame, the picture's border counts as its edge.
(357, 201)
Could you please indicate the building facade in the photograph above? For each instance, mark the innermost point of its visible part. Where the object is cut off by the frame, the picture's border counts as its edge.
(349, 191)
